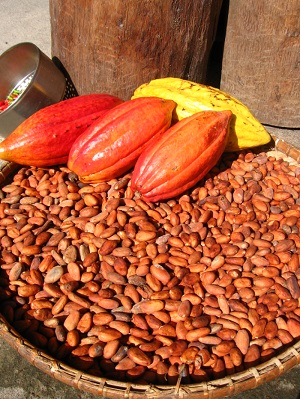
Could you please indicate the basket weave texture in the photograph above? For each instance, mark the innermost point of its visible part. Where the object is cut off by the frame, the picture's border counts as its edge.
(219, 388)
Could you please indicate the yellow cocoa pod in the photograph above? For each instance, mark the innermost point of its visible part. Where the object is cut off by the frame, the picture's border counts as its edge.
(245, 130)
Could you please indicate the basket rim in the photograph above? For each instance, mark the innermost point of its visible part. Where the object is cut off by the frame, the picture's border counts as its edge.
(226, 386)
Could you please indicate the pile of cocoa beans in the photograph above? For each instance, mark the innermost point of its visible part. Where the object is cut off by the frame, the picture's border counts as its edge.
(194, 288)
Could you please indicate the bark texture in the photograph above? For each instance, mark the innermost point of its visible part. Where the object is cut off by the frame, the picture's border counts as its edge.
(114, 46)
(261, 60)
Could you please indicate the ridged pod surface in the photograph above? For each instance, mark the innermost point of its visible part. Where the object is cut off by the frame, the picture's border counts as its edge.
(46, 137)
(111, 146)
(245, 130)
(182, 156)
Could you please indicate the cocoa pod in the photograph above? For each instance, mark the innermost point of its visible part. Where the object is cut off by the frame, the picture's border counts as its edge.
(187, 162)
(46, 137)
(111, 146)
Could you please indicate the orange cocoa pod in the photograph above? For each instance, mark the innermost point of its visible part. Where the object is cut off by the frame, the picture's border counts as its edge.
(178, 159)
(45, 138)
(111, 146)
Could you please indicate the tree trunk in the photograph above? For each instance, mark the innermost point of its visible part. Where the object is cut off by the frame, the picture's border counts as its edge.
(114, 46)
(261, 59)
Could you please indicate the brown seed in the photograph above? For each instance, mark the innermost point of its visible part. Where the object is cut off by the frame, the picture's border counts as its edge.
(109, 334)
(214, 289)
(160, 273)
(293, 286)
(59, 304)
(252, 357)
(285, 336)
(85, 323)
(242, 340)
(194, 335)
(31, 250)
(102, 318)
(121, 326)
(138, 356)
(72, 320)
(145, 235)
(213, 268)
(28, 290)
(259, 328)
(293, 327)
(79, 300)
(125, 364)
(189, 355)
(15, 271)
(73, 338)
(148, 306)
(236, 356)
(224, 348)
(109, 349)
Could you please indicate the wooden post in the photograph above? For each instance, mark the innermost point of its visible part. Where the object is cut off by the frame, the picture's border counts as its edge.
(261, 59)
(114, 46)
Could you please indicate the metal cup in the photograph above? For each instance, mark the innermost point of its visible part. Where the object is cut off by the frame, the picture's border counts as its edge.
(47, 84)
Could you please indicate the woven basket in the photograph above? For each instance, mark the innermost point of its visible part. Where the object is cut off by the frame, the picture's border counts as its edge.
(219, 388)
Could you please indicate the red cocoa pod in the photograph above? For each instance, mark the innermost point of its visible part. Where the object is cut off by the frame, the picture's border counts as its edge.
(111, 146)
(189, 156)
(46, 137)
